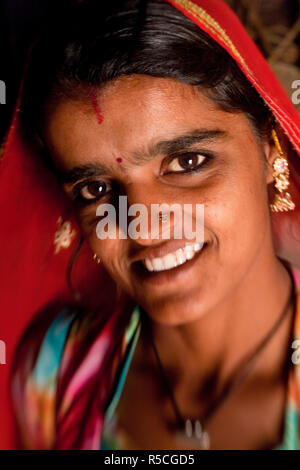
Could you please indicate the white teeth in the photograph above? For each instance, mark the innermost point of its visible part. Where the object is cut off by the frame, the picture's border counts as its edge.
(148, 264)
(158, 264)
(172, 260)
(181, 257)
(197, 247)
(189, 255)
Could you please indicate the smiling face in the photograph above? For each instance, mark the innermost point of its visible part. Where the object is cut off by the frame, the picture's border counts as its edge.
(164, 142)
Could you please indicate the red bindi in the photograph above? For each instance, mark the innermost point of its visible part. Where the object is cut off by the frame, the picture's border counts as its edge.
(96, 107)
(119, 160)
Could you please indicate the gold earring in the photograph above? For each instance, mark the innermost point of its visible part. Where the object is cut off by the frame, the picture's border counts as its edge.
(282, 200)
(96, 258)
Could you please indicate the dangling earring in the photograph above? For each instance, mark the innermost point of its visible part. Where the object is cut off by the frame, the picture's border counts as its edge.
(283, 200)
(96, 258)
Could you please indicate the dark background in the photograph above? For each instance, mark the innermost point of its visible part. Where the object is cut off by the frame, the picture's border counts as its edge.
(21, 23)
(273, 24)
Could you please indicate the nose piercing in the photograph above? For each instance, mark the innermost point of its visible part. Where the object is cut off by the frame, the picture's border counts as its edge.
(163, 217)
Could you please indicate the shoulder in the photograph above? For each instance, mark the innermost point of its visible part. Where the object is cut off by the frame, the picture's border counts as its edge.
(56, 358)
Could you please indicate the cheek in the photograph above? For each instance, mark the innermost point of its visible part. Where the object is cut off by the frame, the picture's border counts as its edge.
(112, 254)
(237, 215)
(107, 249)
(87, 220)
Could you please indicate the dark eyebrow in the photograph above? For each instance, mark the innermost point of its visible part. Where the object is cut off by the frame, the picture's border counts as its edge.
(165, 147)
(172, 146)
(91, 170)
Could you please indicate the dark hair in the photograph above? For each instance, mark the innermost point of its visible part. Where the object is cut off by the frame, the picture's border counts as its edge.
(100, 41)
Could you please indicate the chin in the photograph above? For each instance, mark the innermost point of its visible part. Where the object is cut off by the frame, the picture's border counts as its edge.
(174, 309)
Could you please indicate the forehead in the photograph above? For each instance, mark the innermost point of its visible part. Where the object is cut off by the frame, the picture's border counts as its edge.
(136, 110)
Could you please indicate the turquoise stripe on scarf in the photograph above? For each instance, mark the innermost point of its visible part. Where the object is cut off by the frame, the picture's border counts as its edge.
(50, 354)
(291, 430)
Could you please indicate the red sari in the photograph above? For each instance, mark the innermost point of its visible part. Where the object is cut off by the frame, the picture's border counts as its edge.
(36, 216)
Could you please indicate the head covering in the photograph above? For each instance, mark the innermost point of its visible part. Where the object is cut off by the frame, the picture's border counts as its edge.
(39, 233)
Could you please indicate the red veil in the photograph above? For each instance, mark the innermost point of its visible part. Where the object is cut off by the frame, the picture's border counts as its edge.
(37, 231)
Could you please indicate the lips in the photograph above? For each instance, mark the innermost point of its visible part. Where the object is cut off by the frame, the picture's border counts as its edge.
(163, 275)
(172, 260)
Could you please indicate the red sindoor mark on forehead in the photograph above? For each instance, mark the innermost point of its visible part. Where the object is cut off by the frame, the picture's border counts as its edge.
(119, 160)
(96, 107)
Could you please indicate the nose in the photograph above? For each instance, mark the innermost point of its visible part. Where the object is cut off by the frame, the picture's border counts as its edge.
(150, 220)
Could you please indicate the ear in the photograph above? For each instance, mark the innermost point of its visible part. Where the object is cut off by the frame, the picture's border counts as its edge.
(271, 153)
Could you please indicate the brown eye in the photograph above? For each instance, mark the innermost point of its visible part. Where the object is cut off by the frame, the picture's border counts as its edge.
(186, 162)
(94, 190)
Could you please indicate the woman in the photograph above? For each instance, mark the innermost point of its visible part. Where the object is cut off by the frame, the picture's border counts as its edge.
(165, 102)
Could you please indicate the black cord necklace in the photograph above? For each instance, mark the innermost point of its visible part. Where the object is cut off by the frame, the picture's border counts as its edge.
(192, 432)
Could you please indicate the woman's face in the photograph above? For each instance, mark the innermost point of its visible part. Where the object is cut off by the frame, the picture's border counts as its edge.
(161, 141)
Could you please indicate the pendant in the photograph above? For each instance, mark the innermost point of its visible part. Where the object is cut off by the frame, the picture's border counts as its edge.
(193, 434)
